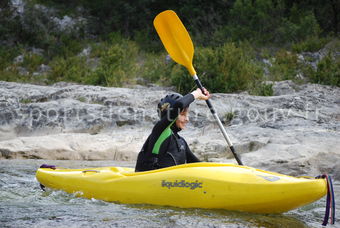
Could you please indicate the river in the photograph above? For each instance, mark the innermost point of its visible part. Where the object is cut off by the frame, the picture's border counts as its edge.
(23, 204)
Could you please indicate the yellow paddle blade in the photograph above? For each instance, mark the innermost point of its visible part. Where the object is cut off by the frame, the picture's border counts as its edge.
(175, 39)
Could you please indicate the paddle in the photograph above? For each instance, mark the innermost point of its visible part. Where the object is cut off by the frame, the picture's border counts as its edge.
(178, 44)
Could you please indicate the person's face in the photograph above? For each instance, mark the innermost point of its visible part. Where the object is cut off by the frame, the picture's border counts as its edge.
(182, 119)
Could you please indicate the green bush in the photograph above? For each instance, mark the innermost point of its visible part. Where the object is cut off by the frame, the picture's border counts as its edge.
(228, 117)
(181, 79)
(256, 20)
(32, 61)
(117, 65)
(261, 89)
(229, 68)
(10, 74)
(328, 71)
(299, 26)
(271, 22)
(155, 68)
(111, 63)
(224, 69)
(10, 71)
(71, 69)
(285, 66)
(7, 55)
(311, 44)
(59, 68)
(159, 68)
(64, 45)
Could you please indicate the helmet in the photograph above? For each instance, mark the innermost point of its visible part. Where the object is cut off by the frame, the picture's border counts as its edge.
(167, 102)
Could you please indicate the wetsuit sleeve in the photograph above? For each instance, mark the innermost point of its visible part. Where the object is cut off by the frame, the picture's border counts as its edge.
(178, 107)
(190, 155)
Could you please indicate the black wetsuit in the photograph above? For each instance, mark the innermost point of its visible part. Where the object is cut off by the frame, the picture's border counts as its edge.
(164, 147)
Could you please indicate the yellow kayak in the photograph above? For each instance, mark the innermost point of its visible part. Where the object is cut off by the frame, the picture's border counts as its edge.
(194, 185)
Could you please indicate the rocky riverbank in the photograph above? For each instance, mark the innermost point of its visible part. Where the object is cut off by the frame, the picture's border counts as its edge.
(296, 132)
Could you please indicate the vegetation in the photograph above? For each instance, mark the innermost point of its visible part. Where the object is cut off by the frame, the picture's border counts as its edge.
(232, 38)
(228, 117)
(328, 72)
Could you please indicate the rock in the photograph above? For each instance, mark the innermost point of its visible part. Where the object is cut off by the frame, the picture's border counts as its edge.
(7, 132)
(295, 132)
(311, 58)
(22, 71)
(18, 59)
(18, 5)
(85, 52)
(71, 147)
(66, 107)
(66, 23)
(37, 51)
(46, 18)
(283, 88)
(44, 69)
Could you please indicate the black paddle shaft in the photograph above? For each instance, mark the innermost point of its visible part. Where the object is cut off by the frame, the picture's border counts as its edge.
(212, 110)
(235, 155)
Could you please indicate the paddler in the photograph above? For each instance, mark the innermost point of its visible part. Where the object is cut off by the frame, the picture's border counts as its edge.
(165, 147)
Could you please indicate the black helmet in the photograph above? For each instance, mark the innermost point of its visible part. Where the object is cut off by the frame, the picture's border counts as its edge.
(167, 102)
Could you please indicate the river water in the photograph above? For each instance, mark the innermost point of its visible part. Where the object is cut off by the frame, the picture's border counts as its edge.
(23, 204)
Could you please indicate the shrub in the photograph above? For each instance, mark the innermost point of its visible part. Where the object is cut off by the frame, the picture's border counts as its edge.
(285, 66)
(65, 45)
(111, 63)
(228, 117)
(10, 74)
(117, 65)
(156, 68)
(225, 69)
(72, 69)
(59, 68)
(7, 54)
(32, 61)
(181, 79)
(311, 44)
(328, 71)
(262, 89)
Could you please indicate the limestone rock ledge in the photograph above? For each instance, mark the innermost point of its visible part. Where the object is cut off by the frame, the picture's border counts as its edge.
(296, 132)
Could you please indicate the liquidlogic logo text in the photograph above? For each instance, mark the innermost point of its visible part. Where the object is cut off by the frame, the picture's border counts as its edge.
(182, 184)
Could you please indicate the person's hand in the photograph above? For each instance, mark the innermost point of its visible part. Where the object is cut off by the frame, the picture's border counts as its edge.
(201, 96)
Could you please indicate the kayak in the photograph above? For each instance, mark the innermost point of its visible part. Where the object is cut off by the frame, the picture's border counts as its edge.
(194, 185)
